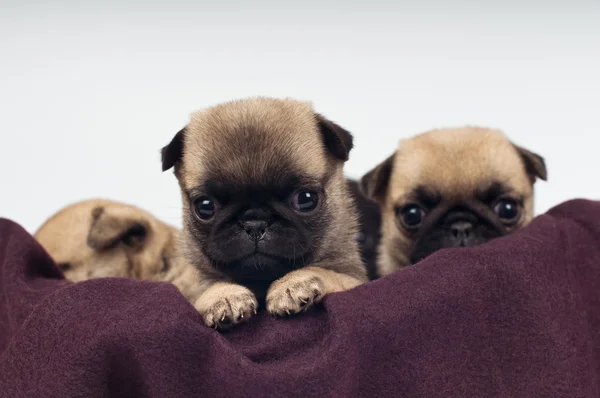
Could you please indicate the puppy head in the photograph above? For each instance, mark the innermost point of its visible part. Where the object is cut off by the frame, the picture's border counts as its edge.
(101, 238)
(262, 187)
(451, 188)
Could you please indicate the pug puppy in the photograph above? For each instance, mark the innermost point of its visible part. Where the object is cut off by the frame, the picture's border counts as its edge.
(266, 211)
(102, 238)
(369, 232)
(454, 187)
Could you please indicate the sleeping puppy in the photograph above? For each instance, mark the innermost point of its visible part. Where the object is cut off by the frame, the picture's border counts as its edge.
(101, 238)
(267, 213)
(370, 228)
(451, 188)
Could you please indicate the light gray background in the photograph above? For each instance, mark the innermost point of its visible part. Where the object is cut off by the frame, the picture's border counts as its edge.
(89, 92)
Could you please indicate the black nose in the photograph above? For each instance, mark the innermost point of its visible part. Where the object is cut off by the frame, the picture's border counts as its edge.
(255, 222)
(462, 231)
(255, 228)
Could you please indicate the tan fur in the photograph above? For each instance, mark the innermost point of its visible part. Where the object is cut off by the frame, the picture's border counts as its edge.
(297, 290)
(455, 162)
(274, 125)
(224, 300)
(246, 140)
(76, 235)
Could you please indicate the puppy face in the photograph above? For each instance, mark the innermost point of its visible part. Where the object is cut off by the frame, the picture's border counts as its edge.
(451, 188)
(275, 226)
(262, 188)
(101, 238)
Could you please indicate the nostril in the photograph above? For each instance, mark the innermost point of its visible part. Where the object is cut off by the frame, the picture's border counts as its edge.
(461, 229)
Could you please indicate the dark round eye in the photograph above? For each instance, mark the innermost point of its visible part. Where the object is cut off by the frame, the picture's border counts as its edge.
(205, 208)
(305, 201)
(411, 216)
(507, 209)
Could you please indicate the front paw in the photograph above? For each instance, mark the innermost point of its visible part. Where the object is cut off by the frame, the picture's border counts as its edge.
(225, 305)
(294, 293)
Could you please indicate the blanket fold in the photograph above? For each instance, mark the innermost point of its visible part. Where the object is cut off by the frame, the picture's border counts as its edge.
(517, 317)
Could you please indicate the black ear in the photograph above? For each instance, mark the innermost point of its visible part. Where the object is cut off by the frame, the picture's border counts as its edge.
(375, 183)
(172, 153)
(535, 166)
(112, 226)
(337, 140)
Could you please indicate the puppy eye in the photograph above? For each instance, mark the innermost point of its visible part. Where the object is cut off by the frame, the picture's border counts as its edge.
(305, 201)
(205, 208)
(507, 210)
(411, 215)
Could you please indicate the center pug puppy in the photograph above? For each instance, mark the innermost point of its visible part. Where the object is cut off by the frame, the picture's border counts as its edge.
(267, 212)
(450, 188)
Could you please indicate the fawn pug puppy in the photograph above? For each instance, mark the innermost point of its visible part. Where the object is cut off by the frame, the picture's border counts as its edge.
(267, 213)
(451, 188)
(102, 238)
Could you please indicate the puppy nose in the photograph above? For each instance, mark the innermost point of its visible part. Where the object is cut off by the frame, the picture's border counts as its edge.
(461, 230)
(255, 222)
(255, 228)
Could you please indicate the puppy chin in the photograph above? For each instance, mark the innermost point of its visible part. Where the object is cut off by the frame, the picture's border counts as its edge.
(254, 262)
(259, 267)
(250, 251)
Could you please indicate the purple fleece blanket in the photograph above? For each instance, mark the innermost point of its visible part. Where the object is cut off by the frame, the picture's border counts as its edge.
(517, 317)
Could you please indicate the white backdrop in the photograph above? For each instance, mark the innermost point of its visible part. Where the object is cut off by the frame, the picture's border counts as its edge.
(89, 93)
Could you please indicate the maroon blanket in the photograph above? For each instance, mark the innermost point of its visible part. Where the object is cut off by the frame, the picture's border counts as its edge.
(517, 317)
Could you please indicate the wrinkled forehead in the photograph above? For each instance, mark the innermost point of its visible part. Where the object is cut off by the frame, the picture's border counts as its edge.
(458, 165)
(251, 144)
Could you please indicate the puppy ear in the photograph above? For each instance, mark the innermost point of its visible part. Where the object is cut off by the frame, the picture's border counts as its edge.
(172, 153)
(112, 226)
(535, 166)
(337, 140)
(375, 183)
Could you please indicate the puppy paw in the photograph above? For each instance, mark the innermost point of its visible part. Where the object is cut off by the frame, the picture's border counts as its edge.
(294, 293)
(224, 305)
